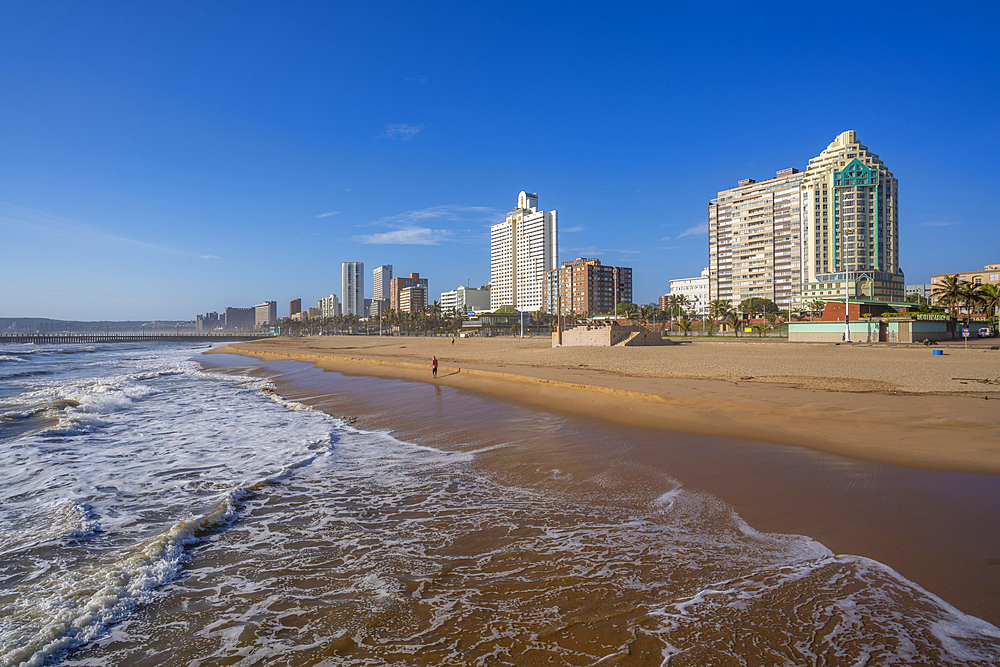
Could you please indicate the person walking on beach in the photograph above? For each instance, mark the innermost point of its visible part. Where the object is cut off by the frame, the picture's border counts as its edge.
(434, 366)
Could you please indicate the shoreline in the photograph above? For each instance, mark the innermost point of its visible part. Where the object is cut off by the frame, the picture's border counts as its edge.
(911, 422)
(926, 525)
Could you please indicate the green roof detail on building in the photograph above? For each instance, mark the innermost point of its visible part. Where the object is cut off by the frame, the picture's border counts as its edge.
(855, 173)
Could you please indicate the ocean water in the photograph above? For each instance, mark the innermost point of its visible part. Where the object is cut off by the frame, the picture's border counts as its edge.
(155, 513)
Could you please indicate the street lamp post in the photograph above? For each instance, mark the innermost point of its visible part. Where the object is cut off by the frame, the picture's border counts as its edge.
(847, 283)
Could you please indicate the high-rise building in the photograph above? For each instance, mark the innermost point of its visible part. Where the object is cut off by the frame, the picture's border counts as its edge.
(353, 288)
(240, 319)
(523, 249)
(381, 276)
(294, 306)
(329, 306)
(408, 295)
(850, 225)
(465, 299)
(754, 241)
(587, 286)
(265, 314)
(814, 235)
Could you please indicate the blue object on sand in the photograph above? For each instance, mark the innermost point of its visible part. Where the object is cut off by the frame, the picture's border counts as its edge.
(938, 352)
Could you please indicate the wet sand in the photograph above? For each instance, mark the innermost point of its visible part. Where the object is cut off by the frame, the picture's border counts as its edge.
(935, 528)
(897, 405)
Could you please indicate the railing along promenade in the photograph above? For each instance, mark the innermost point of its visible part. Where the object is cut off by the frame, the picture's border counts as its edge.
(131, 337)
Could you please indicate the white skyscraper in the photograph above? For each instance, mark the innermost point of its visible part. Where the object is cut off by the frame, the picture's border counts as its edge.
(381, 279)
(522, 249)
(353, 281)
(380, 282)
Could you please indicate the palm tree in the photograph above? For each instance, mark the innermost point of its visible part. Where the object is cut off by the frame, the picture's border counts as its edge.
(771, 319)
(950, 291)
(973, 296)
(733, 319)
(815, 306)
(718, 308)
(991, 301)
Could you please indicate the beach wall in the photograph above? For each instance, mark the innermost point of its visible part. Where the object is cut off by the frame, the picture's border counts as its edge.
(586, 336)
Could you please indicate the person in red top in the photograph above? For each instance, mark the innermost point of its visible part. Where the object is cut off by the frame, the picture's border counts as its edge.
(434, 366)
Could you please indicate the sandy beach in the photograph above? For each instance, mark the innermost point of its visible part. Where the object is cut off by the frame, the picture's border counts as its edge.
(897, 405)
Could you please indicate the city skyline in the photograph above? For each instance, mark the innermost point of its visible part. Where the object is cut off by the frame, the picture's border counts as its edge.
(158, 163)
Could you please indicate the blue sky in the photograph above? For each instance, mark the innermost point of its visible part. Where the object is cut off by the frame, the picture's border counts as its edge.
(159, 160)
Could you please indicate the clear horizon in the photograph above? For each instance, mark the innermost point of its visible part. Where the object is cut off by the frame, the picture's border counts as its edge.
(159, 163)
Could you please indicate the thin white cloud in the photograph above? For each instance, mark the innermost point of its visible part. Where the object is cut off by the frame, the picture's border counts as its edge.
(48, 225)
(449, 212)
(698, 230)
(327, 215)
(665, 238)
(938, 223)
(451, 222)
(570, 230)
(209, 257)
(420, 78)
(402, 131)
(407, 236)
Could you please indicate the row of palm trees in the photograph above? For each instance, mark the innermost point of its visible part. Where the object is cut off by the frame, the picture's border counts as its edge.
(955, 294)
(430, 318)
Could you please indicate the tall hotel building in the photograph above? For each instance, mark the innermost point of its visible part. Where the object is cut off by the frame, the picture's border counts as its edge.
(814, 235)
(381, 278)
(353, 288)
(522, 250)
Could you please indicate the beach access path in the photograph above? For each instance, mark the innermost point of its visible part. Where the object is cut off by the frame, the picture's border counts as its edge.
(885, 403)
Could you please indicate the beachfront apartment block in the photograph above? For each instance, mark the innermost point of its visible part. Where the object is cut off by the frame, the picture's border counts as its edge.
(294, 307)
(815, 235)
(265, 314)
(329, 306)
(408, 294)
(523, 249)
(754, 241)
(353, 288)
(586, 286)
(464, 299)
(695, 289)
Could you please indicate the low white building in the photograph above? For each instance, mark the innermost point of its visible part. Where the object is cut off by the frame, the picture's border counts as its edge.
(695, 289)
(926, 291)
(466, 299)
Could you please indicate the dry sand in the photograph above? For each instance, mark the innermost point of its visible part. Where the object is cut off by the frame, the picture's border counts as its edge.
(890, 404)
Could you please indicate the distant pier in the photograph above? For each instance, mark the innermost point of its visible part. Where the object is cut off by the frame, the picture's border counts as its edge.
(70, 338)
